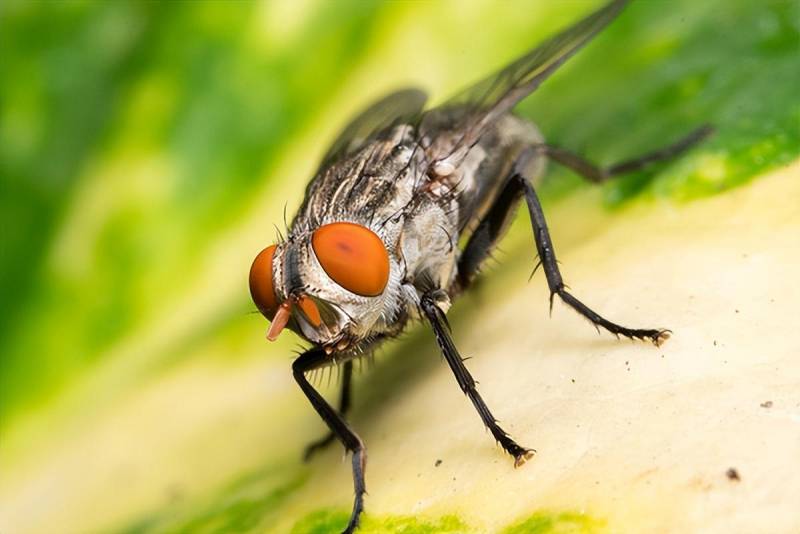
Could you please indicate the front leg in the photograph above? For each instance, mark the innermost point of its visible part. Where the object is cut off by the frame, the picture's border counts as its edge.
(344, 407)
(438, 322)
(314, 359)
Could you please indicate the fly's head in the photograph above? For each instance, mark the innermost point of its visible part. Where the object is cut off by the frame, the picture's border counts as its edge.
(334, 286)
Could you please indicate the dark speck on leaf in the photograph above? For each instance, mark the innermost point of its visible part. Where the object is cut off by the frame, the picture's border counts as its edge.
(766, 404)
(733, 474)
(438, 463)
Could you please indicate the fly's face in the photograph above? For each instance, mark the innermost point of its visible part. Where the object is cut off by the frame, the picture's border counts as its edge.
(331, 285)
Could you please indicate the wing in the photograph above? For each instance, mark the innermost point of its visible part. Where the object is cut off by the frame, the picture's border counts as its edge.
(481, 104)
(400, 106)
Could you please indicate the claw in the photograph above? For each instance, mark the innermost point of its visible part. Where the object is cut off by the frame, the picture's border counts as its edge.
(523, 457)
(660, 337)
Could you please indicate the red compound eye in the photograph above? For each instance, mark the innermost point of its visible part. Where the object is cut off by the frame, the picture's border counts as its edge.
(261, 287)
(353, 256)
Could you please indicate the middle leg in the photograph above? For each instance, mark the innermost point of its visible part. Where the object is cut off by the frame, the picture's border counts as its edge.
(547, 256)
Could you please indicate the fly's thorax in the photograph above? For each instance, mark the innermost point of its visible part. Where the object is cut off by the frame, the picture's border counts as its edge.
(368, 186)
(346, 318)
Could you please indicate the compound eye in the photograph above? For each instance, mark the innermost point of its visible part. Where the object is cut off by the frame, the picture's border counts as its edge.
(353, 256)
(261, 287)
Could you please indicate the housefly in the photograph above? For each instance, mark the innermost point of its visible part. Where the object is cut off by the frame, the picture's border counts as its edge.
(375, 243)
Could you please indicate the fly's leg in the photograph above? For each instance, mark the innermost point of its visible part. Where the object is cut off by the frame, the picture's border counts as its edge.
(344, 406)
(597, 174)
(440, 327)
(547, 257)
(486, 235)
(314, 359)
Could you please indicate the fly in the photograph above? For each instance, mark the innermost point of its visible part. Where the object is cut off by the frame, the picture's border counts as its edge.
(375, 243)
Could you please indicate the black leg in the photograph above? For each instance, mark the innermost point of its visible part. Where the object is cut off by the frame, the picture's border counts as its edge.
(439, 323)
(596, 174)
(547, 256)
(486, 235)
(314, 359)
(344, 406)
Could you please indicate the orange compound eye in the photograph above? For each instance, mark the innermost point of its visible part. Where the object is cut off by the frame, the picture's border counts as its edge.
(261, 287)
(353, 256)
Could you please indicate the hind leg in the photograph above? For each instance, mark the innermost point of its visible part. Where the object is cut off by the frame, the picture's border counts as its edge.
(597, 174)
(494, 224)
(485, 236)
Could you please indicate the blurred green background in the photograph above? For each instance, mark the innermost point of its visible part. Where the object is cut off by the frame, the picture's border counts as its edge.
(147, 148)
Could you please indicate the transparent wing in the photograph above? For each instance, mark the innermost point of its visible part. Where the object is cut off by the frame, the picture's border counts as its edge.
(482, 103)
(400, 106)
